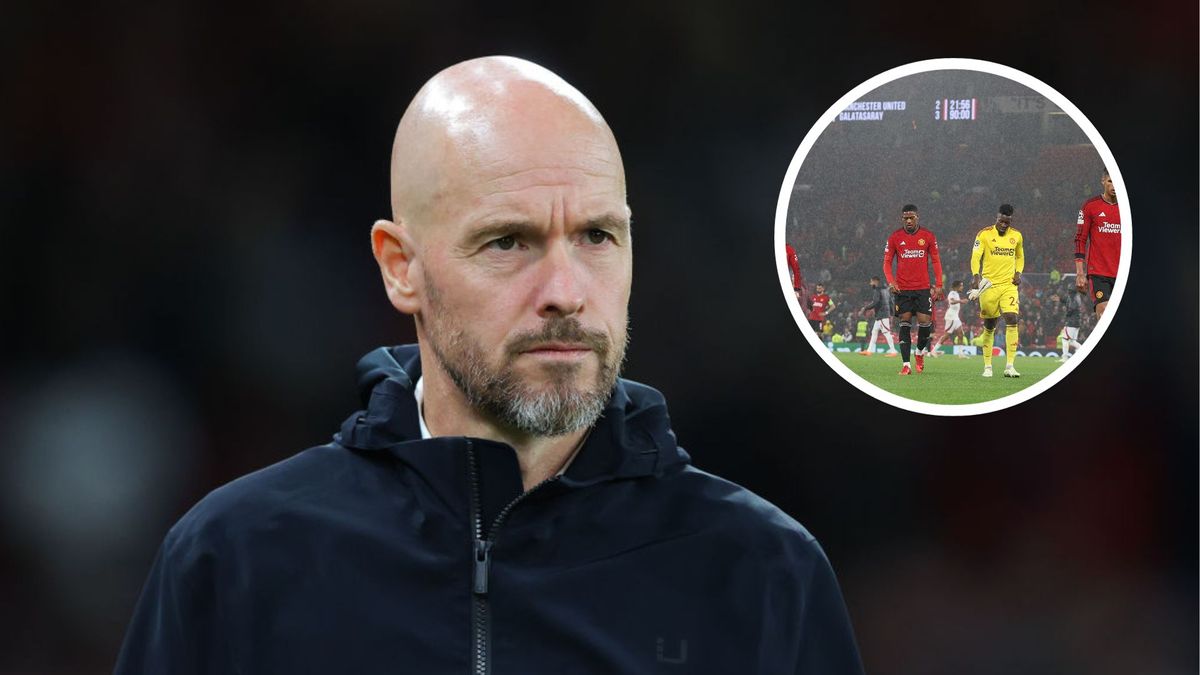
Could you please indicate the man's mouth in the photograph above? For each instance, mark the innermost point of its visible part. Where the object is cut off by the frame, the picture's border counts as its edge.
(558, 350)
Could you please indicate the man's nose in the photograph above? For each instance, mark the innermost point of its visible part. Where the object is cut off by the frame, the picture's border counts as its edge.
(560, 287)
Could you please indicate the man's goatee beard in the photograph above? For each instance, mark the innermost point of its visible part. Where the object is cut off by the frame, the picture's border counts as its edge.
(556, 409)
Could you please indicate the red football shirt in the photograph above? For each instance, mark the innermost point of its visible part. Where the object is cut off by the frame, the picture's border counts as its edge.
(1100, 222)
(794, 267)
(913, 253)
(818, 304)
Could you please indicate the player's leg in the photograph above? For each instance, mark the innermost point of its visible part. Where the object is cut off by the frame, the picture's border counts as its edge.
(924, 328)
(1072, 339)
(937, 341)
(869, 348)
(989, 337)
(948, 330)
(905, 338)
(989, 311)
(1066, 344)
(961, 335)
(1012, 334)
(1073, 336)
(886, 322)
(924, 323)
(1102, 288)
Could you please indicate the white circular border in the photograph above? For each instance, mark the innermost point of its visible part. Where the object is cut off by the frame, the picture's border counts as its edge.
(956, 410)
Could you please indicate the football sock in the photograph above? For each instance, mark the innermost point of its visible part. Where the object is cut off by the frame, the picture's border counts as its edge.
(905, 339)
(989, 337)
(1010, 343)
(1066, 344)
(923, 337)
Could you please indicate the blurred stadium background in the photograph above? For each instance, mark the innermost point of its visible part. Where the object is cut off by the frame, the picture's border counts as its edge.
(186, 284)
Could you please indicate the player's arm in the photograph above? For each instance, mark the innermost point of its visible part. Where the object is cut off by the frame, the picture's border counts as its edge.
(794, 266)
(936, 259)
(887, 266)
(1083, 228)
(976, 261)
(1020, 260)
(976, 266)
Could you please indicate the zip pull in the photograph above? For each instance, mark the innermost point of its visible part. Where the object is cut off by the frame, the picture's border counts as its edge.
(483, 560)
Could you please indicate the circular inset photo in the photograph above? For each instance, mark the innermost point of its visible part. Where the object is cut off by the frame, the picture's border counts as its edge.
(953, 237)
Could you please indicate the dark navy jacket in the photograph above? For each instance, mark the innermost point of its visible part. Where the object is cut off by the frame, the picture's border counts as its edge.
(385, 553)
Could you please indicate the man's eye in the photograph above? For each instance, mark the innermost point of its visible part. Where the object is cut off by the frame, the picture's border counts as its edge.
(598, 236)
(505, 243)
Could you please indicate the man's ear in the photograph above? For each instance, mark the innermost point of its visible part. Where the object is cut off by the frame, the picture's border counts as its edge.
(394, 251)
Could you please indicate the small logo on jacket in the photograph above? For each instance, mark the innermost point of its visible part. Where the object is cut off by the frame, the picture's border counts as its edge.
(679, 655)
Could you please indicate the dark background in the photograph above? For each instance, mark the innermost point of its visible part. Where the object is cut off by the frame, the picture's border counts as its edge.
(186, 284)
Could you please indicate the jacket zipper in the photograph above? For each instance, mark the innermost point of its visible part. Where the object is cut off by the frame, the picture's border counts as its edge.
(482, 549)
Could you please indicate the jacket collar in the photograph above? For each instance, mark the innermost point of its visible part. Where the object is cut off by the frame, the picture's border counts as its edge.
(632, 438)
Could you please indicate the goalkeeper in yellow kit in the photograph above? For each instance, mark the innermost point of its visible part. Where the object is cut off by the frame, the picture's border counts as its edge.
(999, 255)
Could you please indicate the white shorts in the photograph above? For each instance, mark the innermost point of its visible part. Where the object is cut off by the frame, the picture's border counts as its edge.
(1072, 332)
(883, 324)
(953, 324)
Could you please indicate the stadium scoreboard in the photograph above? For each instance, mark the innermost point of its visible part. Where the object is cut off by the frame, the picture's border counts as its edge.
(946, 108)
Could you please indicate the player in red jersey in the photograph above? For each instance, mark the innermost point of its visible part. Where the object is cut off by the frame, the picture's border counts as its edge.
(794, 268)
(818, 305)
(913, 247)
(1099, 221)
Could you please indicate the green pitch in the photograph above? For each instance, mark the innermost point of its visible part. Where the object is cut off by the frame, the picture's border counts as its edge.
(948, 379)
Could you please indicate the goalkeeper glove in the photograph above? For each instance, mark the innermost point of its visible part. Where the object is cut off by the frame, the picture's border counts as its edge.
(984, 284)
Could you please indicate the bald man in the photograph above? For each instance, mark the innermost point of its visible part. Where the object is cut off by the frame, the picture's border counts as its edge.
(504, 503)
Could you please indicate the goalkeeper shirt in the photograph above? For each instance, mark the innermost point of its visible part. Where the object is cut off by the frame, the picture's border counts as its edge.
(997, 257)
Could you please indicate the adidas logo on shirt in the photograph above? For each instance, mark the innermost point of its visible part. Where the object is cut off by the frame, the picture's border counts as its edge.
(1103, 213)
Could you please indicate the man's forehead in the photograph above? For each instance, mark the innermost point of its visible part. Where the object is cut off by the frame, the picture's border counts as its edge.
(499, 125)
(909, 214)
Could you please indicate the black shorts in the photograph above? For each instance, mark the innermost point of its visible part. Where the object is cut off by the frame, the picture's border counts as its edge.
(913, 301)
(1101, 288)
(816, 325)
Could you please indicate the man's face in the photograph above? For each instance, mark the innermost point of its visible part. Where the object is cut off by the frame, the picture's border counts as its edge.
(874, 283)
(820, 289)
(910, 219)
(1110, 192)
(1002, 222)
(527, 268)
